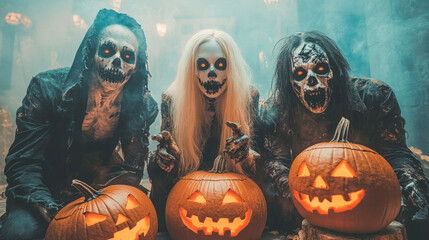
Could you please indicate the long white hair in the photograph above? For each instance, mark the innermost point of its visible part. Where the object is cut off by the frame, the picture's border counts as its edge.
(189, 113)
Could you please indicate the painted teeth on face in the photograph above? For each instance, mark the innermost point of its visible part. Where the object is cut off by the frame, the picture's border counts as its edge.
(211, 86)
(315, 99)
(311, 76)
(211, 65)
(115, 59)
(112, 75)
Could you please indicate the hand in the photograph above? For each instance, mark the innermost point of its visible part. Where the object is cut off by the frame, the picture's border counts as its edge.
(414, 205)
(167, 151)
(48, 210)
(237, 146)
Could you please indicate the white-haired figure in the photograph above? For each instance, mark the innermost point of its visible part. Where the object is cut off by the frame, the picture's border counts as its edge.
(212, 87)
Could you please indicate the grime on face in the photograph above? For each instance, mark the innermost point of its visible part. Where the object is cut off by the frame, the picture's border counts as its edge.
(312, 76)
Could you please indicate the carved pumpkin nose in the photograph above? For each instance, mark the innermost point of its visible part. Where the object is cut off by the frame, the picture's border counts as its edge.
(320, 183)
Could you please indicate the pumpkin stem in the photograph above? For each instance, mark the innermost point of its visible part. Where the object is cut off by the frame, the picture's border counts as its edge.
(342, 131)
(87, 191)
(219, 165)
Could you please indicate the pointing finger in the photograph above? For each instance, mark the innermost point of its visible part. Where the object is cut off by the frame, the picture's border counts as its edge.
(157, 137)
(236, 128)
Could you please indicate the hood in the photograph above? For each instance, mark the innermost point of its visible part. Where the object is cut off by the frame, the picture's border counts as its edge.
(135, 91)
(84, 58)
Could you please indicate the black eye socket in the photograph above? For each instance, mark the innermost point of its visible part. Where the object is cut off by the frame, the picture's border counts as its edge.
(128, 56)
(202, 64)
(321, 68)
(106, 50)
(221, 64)
(299, 74)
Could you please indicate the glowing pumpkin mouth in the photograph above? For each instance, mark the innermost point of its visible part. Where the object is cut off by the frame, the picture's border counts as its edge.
(142, 227)
(221, 226)
(337, 203)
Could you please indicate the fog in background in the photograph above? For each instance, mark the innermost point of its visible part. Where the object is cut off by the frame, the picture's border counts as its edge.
(384, 39)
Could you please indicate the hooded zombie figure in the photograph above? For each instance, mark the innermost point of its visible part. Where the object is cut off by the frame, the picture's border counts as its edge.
(72, 120)
(212, 87)
(312, 91)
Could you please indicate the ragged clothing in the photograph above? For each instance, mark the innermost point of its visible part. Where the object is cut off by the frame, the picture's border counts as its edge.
(375, 122)
(48, 151)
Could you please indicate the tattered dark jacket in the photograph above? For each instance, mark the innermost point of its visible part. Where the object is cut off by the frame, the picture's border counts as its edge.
(47, 152)
(376, 122)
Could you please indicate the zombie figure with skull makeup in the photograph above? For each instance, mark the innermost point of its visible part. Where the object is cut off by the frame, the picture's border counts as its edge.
(72, 123)
(312, 77)
(212, 87)
(312, 91)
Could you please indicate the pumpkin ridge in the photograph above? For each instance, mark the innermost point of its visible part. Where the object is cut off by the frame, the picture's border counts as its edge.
(66, 216)
(343, 147)
(309, 155)
(227, 176)
(75, 218)
(358, 168)
(120, 206)
(213, 180)
(108, 210)
(83, 216)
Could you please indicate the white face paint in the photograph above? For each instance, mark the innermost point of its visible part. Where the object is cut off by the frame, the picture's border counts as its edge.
(211, 69)
(312, 76)
(115, 59)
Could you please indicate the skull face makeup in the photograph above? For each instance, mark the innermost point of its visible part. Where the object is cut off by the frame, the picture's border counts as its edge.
(211, 69)
(312, 77)
(115, 59)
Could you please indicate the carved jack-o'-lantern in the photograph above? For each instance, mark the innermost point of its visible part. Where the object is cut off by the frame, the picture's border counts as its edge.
(215, 205)
(117, 212)
(344, 186)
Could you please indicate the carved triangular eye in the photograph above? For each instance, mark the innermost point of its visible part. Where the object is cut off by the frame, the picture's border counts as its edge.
(344, 170)
(231, 197)
(303, 170)
(121, 219)
(93, 218)
(131, 202)
(197, 197)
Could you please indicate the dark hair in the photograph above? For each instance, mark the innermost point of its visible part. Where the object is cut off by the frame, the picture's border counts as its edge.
(283, 94)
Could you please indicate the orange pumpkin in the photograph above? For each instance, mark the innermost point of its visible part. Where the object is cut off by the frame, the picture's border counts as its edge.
(344, 187)
(117, 212)
(215, 205)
